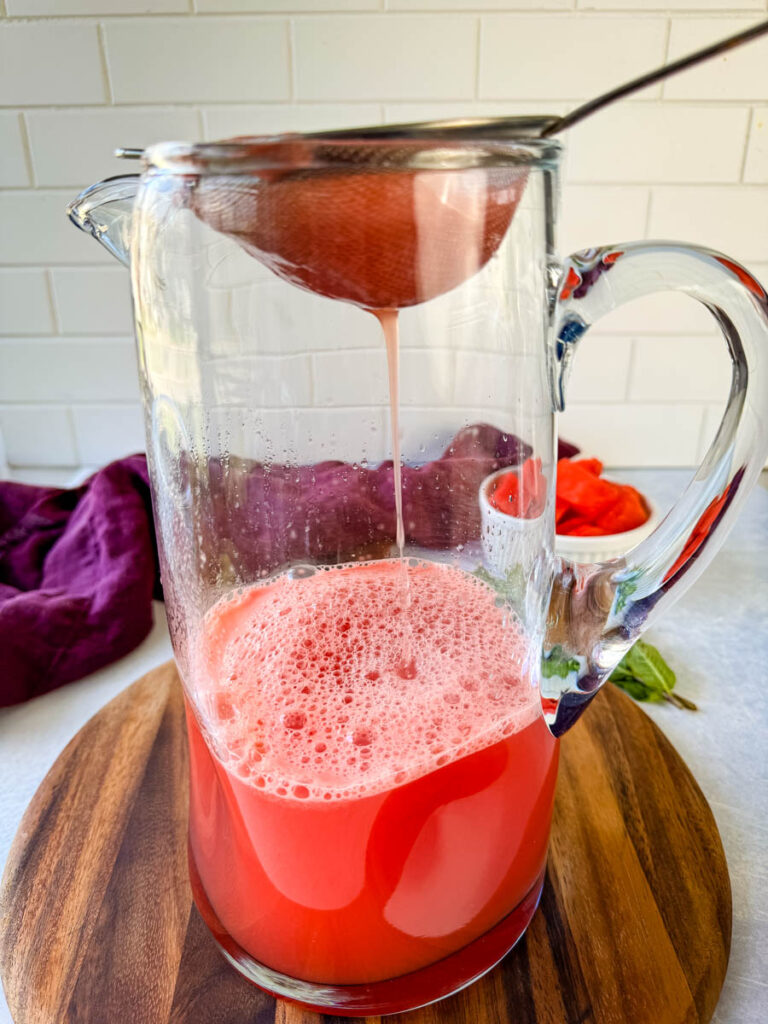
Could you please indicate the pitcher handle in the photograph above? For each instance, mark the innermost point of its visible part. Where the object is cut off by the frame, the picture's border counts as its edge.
(598, 611)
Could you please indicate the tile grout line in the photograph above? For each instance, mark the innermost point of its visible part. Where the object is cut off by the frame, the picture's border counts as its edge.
(75, 439)
(140, 106)
(58, 405)
(564, 13)
(293, 71)
(201, 125)
(52, 301)
(54, 264)
(478, 54)
(648, 213)
(104, 64)
(27, 147)
(72, 403)
(747, 137)
(667, 40)
(630, 368)
(90, 340)
(313, 389)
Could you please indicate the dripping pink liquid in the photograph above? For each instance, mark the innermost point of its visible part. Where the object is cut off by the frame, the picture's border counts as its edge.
(375, 793)
(388, 318)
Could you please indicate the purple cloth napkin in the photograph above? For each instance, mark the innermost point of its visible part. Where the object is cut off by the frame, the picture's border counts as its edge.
(337, 511)
(78, 568)
(77, 575)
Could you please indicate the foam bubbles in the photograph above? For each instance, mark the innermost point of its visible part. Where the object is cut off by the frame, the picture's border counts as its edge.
(345, 682)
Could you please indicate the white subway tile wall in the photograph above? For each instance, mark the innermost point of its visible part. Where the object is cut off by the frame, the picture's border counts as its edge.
(679, 370)
(602, 214)
(106, 432)
(728, 77)
(635, 434)
(729, 218)
(386, 57)
(664, 142)
(91, 300)
(267, 119)
(27, 428)
(568, 56)
(50, 62)
(185, 60)
(68, 146)
(756, 165)
(25, 306)
(36, 232)
(601, 372)
(685, 160)
(13, 162)
(87, 370)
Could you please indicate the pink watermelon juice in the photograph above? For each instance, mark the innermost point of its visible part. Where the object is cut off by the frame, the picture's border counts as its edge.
(373, 784)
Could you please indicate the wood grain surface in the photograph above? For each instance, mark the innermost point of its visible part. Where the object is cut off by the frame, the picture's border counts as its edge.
(97, 924)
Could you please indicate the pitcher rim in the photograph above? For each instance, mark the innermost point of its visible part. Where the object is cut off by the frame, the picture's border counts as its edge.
(425, 145)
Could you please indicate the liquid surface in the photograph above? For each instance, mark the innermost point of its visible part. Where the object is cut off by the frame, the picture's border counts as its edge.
(332, 686)
(376, 787)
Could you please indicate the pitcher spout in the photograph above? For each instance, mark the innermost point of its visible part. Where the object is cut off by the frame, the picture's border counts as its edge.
(105, 210)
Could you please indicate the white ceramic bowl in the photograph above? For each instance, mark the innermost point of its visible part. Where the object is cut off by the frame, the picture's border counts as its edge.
(576, 549)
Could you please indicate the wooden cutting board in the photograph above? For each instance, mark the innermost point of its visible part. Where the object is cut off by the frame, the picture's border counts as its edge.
(97, 924)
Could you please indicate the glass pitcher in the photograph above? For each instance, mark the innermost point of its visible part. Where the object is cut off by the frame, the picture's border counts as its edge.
(341, 339)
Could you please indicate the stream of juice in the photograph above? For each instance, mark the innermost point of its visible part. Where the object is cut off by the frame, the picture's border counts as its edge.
(377, 783)
(388, 318)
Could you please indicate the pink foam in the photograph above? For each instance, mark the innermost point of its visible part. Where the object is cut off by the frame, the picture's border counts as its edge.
(348, 682)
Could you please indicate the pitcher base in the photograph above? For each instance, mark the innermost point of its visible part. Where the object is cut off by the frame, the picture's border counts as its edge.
(394, 995)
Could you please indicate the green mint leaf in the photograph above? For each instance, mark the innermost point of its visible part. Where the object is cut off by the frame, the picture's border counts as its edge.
(511, 587)
(620, 673)
(482, 574)
(623, 593)
(645, 662)
(556, 663)
(644, 674)
(636, 689)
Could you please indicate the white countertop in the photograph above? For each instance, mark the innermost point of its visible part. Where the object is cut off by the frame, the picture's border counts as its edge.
(716, 639)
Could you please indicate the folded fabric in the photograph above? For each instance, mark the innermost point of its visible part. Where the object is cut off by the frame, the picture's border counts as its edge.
(77, 575)
(261, 517)
(78, 568)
